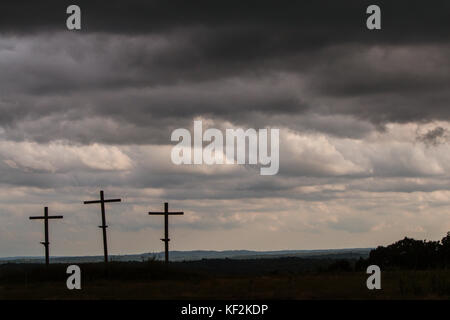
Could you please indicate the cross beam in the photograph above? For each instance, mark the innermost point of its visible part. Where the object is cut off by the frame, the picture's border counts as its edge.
(166, 239)
(102, 202)
(46, 243)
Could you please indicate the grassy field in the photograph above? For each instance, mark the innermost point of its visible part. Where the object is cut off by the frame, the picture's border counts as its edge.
(180, 281)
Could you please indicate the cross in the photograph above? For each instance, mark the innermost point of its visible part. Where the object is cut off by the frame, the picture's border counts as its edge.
(166, 239)
(102, 202)
(46, 243)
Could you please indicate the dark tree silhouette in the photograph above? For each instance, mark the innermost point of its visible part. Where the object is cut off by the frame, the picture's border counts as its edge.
(411, 254)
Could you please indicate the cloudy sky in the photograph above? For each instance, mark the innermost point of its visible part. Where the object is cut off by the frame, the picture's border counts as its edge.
(364, 119)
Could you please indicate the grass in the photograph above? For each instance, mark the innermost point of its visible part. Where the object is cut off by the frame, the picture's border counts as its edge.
(153, 281)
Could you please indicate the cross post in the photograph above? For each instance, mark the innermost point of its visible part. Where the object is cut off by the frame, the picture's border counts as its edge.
(102, 202)
(166, 239)
(46, 242)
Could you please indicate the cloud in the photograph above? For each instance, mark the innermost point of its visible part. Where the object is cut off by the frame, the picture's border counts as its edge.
(87, 95)
(363, 115)
(58, 157)
(434, 137)
(143, 69)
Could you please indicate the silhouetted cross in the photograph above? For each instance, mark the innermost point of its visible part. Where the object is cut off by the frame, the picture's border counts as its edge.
(166, 239)
(46, 243)
(102, 202)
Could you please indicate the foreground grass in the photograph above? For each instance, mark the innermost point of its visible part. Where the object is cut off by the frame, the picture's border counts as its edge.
(155, 282)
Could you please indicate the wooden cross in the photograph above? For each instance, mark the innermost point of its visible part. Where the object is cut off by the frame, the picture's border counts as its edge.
(102, 202)
(46, 243)
(166, 239)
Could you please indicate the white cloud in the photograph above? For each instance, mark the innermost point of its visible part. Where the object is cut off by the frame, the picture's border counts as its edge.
(60, 157)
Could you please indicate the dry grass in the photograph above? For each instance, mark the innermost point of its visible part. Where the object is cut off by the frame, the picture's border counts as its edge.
(345, 285)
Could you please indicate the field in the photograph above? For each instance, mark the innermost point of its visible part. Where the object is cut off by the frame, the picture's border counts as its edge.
(289, 278)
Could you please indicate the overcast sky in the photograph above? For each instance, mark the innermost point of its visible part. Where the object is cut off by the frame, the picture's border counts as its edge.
(364, 120)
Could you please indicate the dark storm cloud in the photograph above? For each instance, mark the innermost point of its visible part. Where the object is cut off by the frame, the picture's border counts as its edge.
(323, 21)
(434, 137)
(147, 67)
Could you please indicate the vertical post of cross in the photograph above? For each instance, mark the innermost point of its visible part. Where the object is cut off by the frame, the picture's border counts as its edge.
(166, 232)
(46, 242)
(104, 226)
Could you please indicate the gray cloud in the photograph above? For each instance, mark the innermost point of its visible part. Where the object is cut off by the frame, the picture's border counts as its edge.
(434, 137)
(143, 104)
(363, 117)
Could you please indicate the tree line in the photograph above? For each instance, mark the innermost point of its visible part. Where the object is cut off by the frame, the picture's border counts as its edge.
(410, 254)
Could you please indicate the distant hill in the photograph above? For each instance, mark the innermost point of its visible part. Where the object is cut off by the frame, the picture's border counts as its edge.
(354, 253)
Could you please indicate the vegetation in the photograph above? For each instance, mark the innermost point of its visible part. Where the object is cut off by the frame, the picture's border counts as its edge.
(410, 254)
(411, 269)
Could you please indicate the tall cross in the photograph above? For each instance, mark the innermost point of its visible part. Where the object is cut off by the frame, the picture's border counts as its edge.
(102, 202)
(166, 239)
(46, 243)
